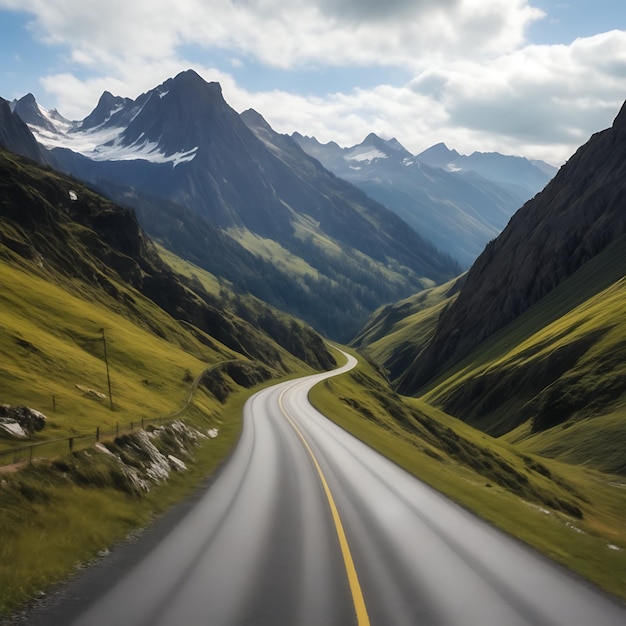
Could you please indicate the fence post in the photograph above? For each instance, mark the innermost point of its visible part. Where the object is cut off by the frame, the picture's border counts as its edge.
(30, 457)
(71, 442)
(142, 427)
(131, 426)
(117, 429)
(54, 404)
(97, 433)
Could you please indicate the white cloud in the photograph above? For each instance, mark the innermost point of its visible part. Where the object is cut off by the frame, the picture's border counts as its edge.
(477, 83)
(283, 33)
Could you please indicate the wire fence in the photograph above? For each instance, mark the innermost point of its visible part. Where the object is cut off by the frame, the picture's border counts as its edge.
(56, 447)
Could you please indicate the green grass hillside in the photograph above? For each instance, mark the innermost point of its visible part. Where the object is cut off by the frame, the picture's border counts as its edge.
(557, 374)
(52, 342)
(71, 266)
(74, 268)
(554, 379)
(399, 331)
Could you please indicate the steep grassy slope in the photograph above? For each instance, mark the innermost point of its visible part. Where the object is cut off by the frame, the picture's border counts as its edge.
(559, 364)
(52, 341)
(397, 332)
(72, 264)
(553, 381)
(572, 514)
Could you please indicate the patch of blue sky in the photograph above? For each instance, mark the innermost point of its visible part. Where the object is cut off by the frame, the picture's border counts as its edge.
(567, 20)
(306, 80)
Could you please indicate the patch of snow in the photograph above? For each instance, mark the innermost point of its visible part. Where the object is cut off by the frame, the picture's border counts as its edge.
(611, 546)
(369, 154)
(355, 167)
(105, 144)
(73, 195)
(212, 432)
(163, 94)
(56, 119)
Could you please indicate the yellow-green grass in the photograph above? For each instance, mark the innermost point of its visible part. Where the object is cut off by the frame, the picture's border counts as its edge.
(55, 526)
(515, 490)
(408, 324)
(51, 341)
(566, 350)
(186, 268)
(271, 250)
(599, 441)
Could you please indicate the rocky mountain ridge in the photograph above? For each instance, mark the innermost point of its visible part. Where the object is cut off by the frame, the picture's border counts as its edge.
(578, 215)
(307, 242)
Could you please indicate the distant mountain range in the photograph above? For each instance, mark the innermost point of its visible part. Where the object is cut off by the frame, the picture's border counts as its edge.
(458, 202)
(257, 212)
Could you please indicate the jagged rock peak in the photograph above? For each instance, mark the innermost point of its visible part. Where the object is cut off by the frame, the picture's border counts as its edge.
(620, 120)
(254, 118)
(190, 79)
(104, 109)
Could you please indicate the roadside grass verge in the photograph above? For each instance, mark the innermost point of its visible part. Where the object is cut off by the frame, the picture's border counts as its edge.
(571, 514)
(59, 514)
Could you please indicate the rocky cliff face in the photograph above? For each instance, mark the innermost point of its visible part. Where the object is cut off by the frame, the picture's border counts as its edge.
(578, 215)
(14, 134)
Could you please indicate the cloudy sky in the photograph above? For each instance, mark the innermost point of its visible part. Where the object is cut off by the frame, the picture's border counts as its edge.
(528, 77)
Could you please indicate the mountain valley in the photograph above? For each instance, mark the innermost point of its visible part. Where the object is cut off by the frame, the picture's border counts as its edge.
(300, 238)
(219, 255)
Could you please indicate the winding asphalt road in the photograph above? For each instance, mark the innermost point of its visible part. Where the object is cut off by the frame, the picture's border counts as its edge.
(305, 525)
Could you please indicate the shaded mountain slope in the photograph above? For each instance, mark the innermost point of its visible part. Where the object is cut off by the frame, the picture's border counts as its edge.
(15, 136)
(459, 203)
(554, 378)
(397, 332)
(72, 233)
(579, 214)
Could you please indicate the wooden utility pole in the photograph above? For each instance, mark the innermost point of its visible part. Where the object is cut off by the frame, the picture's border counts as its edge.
(106, 360)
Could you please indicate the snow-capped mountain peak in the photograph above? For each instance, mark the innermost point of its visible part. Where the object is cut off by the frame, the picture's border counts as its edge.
(103, 134)
(373, 147)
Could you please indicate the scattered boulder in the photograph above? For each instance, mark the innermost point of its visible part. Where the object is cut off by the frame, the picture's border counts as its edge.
(91, 393)
(20, 421)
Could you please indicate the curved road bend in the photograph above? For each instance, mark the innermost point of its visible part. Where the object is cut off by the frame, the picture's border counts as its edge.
(305, 525)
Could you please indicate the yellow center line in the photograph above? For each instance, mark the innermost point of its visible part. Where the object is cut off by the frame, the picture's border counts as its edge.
(355, 587)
